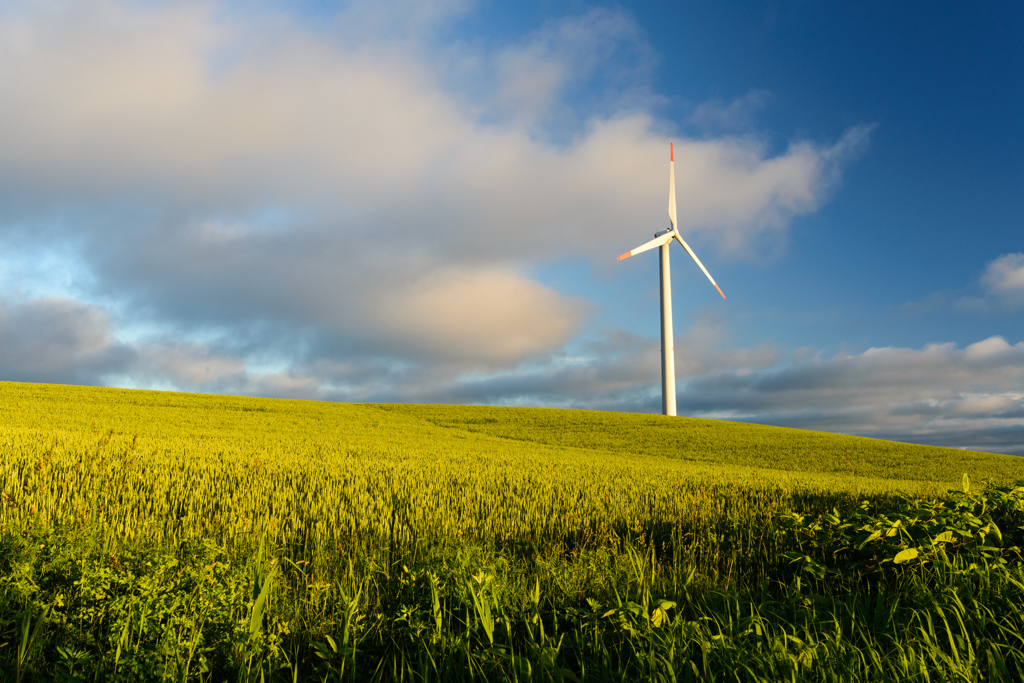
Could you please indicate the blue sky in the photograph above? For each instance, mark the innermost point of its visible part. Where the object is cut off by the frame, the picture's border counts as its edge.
(423, 202)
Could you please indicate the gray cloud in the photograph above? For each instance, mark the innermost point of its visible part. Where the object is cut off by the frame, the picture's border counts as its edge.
(58, 341)
(907, 394)
(939, 394)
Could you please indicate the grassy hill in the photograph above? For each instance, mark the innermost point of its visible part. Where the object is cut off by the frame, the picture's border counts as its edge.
(157, 535)
(718, 442)
(256, 425)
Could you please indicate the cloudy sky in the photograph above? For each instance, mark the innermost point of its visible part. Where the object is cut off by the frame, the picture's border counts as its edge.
(418, 201)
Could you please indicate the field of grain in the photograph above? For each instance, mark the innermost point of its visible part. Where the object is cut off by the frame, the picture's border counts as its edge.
(167, 536)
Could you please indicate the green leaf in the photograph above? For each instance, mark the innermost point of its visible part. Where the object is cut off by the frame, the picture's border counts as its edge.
(965, 483)
(905, 556)
(872, 537)
(944, 537)
(256, 620)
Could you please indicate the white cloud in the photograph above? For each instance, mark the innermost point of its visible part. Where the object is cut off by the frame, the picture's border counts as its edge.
(983, 405)
(991, 349)
(115, 98)
(1003, 282)
(1004, 279)
(495, 317)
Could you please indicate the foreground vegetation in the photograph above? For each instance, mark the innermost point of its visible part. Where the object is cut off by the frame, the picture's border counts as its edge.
(158, 536)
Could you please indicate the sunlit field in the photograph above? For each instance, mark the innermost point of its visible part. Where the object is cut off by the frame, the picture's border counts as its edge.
(167, 536)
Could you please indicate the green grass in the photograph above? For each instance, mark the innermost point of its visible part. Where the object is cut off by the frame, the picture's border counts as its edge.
(247, 425)
(171, 536)
(718, 443)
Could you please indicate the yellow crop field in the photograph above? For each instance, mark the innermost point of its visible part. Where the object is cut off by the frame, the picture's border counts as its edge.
(162, 466)
(430, 521)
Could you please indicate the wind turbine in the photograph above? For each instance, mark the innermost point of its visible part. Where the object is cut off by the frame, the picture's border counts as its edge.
(662, 239)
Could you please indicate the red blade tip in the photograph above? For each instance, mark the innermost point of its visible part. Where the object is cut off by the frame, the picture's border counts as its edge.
(671, 151)
(719, 291)
(626, 255)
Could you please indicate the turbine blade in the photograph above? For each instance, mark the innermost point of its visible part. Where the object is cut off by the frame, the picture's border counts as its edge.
(672, 184)
(656, 242)
(694, 256)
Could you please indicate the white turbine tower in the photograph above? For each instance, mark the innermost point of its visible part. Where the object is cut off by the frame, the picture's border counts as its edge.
(662, 239)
